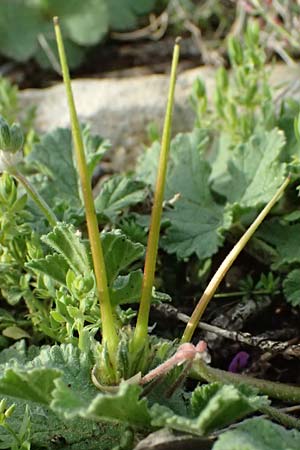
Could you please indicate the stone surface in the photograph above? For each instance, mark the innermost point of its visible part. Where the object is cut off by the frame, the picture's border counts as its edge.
(121, 109)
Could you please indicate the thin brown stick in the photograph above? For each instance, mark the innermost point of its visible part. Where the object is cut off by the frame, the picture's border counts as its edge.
(283, 347)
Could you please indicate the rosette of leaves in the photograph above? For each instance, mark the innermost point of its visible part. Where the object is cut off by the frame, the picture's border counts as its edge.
(54, 384)
(25, 25)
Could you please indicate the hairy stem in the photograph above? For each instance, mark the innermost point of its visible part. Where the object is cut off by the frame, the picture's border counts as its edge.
(281, 417)
(226, 264)
(109, 332)
(38, 200)
(141, 331)
(273, 389)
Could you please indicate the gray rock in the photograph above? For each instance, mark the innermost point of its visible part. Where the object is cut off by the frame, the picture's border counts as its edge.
(121, 109)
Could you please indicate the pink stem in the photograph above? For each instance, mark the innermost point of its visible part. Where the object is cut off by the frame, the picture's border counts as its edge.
(186, 352)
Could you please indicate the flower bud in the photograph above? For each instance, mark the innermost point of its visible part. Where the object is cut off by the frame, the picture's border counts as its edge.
(4, 134)
(16, 137)
(10, 410)
(235, 51)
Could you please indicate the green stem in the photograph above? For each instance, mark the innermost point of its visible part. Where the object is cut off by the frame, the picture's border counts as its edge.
(241, 293)
(109, 332)
(39, 201)
(225, 266)
(279, 391)
(141, 331)
(281, 417)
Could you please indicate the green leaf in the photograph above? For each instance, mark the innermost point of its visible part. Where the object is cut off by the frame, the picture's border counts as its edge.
(31, 369)
(85, 23)
(123, 406)
(95, 148)
(127, 288)
(118, 193)
(119, 253)
(15, 332)
(285, 238)
(291, 287)
(197, 223)
(258, 434)
(49, 431)
(52, 158)
(196, 229)
(75, 53)
(123, 15)
(19, 19)
(54, 266)
(64, 240)
(214, 408)
(202, 395)
(35, 385)
(254, 172)
(17, 354)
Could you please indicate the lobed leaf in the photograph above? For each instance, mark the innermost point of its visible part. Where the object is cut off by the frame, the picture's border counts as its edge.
(52, 158)
(123, 406)
(118, 193)
(213, 407)
(64, 240)
(34, 385)
(291, 287)
(254, 171)
(119, 253)
(196, 221)
(285, 238)
(54, 266)
(258, 434)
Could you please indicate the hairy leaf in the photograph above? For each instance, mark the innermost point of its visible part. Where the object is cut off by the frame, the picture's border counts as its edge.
(215, 408)
(285, 238)
(197, 222)
(118, 193)
(35, 385)
(258, 434)
(52, 158)
(119, 253)
(254, 171)
(291, 287)
(124, 406)
(49, 431)
(127, 288)
(54, 266)
(64, 240)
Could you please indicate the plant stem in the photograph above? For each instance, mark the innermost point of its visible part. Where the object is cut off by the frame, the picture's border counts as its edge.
(281, 417)
(226, 264)
(39, 201)
(109, 333)
(241, 293)
(279, 391)
(141, 331)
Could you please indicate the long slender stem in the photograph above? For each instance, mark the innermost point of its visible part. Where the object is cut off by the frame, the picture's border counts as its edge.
(141, 331)
(281, 417)
(109, 333)
(225, 266)
(279, 391)
(39, 201)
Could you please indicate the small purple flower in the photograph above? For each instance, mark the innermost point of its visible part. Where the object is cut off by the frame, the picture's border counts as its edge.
(239, 362)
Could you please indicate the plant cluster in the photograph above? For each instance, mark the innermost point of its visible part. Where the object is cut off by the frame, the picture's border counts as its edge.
(90, 377)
